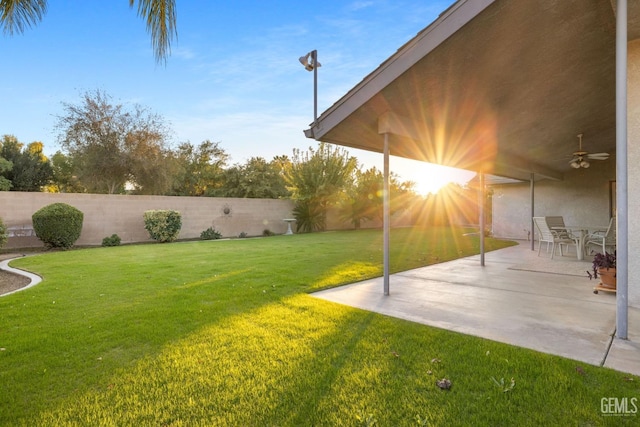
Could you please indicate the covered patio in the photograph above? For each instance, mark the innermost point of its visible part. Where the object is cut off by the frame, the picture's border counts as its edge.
(509, 300)
(503, 88)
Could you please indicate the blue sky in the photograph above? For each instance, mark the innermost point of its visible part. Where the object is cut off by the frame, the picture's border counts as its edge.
(233, 76)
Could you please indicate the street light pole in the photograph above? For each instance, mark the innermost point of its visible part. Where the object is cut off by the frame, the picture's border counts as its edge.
(314, 58)
(310, 63)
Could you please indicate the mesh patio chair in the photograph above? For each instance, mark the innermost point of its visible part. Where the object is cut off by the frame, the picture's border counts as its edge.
(603, 239)
(550, 237)
(556, 224)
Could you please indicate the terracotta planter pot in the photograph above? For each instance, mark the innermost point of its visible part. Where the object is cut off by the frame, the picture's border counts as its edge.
(607, 277)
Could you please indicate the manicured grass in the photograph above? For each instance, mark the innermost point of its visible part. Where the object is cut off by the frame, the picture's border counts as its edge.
(223, 333)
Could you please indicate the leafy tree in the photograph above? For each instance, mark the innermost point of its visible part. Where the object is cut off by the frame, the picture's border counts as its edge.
(317, 179)
(5, 166)
(30, 170)
(152, 164)
(199, 169)
(452, 204)
(64, 180)
(257, 178)
(365, 197)
(111, 145)
(159, 15)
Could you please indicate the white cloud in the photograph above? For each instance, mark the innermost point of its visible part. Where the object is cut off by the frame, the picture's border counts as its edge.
(359, 5)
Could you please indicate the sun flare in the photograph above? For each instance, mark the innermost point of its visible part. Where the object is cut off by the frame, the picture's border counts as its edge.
(429, 177)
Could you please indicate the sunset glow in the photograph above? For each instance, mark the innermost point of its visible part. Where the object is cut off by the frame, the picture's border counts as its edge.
(428, 177)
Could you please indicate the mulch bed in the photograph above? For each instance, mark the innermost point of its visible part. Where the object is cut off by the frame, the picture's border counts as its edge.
(10, 281)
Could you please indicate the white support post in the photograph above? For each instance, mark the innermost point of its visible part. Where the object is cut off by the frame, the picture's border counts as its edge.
(386, 216)
(533, 211)
(622, 260)
(482, 196)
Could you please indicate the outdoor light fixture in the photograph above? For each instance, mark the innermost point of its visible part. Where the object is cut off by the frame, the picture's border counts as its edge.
(580, 163)
(310, 60)
(310, 63)
(581, 158)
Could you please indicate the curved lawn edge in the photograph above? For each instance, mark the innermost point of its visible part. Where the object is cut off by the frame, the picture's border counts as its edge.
(35, 279)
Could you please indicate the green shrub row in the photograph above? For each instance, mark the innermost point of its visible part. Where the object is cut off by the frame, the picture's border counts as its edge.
(59, 226)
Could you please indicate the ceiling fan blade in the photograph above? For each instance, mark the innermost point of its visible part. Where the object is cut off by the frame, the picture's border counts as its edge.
(598, 156)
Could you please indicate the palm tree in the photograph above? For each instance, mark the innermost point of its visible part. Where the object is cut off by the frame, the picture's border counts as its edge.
(160, 16)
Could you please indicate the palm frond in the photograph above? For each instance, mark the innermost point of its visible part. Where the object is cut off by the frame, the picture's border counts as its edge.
(16, 15)
(160, 16)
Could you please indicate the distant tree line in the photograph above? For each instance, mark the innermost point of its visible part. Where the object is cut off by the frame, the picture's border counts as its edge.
(23, 168)
(115, 149)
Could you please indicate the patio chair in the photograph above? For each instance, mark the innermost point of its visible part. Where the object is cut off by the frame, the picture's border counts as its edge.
(603, 239)
(556, 223)
(551, 237)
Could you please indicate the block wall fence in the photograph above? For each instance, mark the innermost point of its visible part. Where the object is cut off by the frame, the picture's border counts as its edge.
(106, 214)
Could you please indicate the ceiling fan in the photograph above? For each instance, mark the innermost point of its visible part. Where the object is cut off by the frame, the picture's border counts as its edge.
(581, 158)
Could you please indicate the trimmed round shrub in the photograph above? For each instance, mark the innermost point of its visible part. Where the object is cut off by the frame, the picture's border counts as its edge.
(113, 240)
(58, 225)
(163, 225)
(3, 233)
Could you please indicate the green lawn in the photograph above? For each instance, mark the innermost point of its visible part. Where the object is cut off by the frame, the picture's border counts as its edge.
(223, 333)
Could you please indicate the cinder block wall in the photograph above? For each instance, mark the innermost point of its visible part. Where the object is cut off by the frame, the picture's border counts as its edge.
(105, 215)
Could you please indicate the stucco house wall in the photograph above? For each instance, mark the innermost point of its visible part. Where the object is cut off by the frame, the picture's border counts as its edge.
(633, 160)
(582, 198)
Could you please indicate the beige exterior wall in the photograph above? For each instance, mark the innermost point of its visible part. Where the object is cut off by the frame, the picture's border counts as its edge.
(105, 215)
(582, 198)
(633, 159)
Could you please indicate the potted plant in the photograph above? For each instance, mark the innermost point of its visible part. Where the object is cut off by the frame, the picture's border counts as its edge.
(604, 266)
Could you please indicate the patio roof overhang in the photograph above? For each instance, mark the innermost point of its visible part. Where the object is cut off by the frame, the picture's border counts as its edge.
(495, 86)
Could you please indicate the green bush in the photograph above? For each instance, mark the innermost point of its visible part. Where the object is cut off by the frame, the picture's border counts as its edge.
(243, 235)
(163, 225)
(114, 240)
(210, 234)
(3, 233)
(268, 233)
(309, 216)
(58, 225)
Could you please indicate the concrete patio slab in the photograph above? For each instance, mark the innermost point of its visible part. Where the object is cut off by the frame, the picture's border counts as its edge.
(517, 298)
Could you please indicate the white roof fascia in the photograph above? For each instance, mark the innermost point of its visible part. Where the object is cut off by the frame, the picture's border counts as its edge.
(447, 24)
